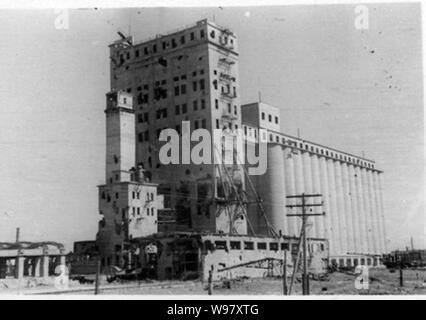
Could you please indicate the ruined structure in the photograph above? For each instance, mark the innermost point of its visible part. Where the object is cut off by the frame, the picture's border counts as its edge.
(186, 256)
(192, 75)
(30, 259)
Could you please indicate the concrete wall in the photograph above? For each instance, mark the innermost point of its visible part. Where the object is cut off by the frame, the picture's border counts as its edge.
(220, 251)
(212, 57)
(354, 220)
(128, 211)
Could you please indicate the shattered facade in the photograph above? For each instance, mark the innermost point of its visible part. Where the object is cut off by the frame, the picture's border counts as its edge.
(192, 75)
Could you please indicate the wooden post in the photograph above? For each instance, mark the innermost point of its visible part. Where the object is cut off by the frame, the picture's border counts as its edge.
(304, 280)
(285, 273)
(401, 278)
(210, 281)
(303, 238)
(98, 271)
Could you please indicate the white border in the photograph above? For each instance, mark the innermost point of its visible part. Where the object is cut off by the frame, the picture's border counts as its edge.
(47, 4)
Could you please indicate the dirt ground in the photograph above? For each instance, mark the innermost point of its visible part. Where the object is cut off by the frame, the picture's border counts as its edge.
(381, 282)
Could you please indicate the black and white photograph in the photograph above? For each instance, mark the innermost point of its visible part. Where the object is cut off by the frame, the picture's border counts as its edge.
(166, 151)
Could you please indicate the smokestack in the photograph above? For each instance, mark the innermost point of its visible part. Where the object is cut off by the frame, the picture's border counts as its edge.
(17, 234)
(412, 243)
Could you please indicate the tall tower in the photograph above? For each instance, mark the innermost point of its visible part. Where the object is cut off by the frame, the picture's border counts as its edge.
(188, 75)
(128, 200)
(120, 133)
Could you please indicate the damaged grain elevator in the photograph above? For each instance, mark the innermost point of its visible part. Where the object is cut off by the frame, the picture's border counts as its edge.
(192, 75)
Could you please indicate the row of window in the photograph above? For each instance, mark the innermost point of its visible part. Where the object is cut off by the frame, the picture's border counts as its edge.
(173, 43)
(269, 117)
(250, 245)
(162, 93)
(362, 262)
(199, 123)
(165, 45)
(136, 211)
(303, 146)
(137, 194)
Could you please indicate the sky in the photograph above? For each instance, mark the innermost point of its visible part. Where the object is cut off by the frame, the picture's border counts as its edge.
(359, 91)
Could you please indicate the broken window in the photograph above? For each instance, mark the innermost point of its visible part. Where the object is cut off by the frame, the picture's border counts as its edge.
(273, 246)
(220, 245)
(215, 84)
(284, 246)
(192, 36)
(202, 33)
(184, 108)
(162, 62)
(261, 245)
(235, 245)
(248, 245)
(140, 118)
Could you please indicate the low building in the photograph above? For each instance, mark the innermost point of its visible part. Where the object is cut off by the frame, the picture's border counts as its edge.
(30, 259)
(193, 255)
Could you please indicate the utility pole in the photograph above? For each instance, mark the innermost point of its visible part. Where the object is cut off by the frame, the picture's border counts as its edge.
(303, 205)
(285, 273)
(98, 271)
